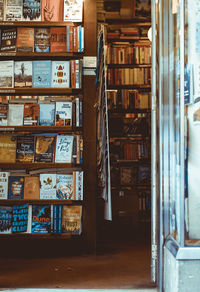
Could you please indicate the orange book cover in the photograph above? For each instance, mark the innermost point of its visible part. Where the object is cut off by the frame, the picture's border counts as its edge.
(52, 10)
(25, 39)
(31, 114)
(71, 219)
(73, 79)
(8, 145)
(58, 39)
(32, 188)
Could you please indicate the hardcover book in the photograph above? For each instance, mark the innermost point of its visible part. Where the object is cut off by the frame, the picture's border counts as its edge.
(16, 187)
(5, 219)
(44, 148)
(143, 8)
(41, 219)
(6, 74)
(13, 10)
(23, 74)
(32, 10)
(25, 149)
(78, 185)
(2, 6)
(19, 218)
(73, 10)
(42, 39)
(52, 10)
(4, 185)
(47, 114)
(48, 186)
(3, 114)
(8, 149)
(64, 113)
(61, 74)
(32, 188)
(31, 114)
(8, 39)
(144, 174)
(15, 114)
(25, 39)
(64, 184)
(128, 175)
(71, 219)
(58, 40)
(64, 146)
(42, 73)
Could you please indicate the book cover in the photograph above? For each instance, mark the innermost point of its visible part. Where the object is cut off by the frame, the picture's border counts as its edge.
(144, 174)
(3, 114)
(31, 10)
(32, 188)
(13, 10)
(31, 114)
(64, 186)
(48, 186)
(15, 187)
(64, 146)
(41, 219)
(143, 8)
(64, 113)
(52, 10)
(73, 10)
(15, 114)
(44, 148)
(25, 149)
(42, 39)
(8, 149)
(71, 219)
(47, 114)
(25, 39)
(4, 185)
(6, 74)
(42, 73)
(8, 39)
(79, 185)
(19, 218)
(2, 8)
(61, 74)
(5, 219)
(58, 40)
(23, 74)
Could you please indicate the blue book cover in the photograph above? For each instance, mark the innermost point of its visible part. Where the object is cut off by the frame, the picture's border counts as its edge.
(32, 10)
(55, 218)
(41, 219)
(60, 218)
(42, 74)
(19, 218)
(5, 219)
(16, 187)
(144, 174)
(47, 114)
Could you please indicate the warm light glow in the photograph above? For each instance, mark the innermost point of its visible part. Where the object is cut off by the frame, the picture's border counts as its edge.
(149, 34)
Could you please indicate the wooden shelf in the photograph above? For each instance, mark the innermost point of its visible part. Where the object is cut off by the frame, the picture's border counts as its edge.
(40, 202)
(128, 111)
(123, 161)
(37, 165)
(40, 91)
(40, 129)
(38, 23)
(133, 137)
(124, 39)
(36, 55)
(129, 65)
(39, 236)
(142, 86)
(131, 187)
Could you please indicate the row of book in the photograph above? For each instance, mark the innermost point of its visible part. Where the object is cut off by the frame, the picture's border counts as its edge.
(126, 33)
(41, 74)
(41, 219)
(41, 10)
(45, 147)
(42, 39)
(144, 206)
(66, 113)
(128, 99)
(125, 53)
(51, 186)
(129, 76)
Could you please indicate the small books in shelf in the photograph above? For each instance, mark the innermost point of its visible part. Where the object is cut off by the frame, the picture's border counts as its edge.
(8, 39)
(71, 219)
(16, 187)
(19, 218)
(25, 39)
(73, 10)
(64, 146)
(52, 10)
(44, 148)
(25, 149)
(23, 74)
(41, 219)
(48, 186)
(8, 149)
(5, 219)
(4, 185)
(42, 39)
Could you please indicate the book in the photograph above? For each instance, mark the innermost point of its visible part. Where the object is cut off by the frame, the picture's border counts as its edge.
(58, 40)
(5, 219)
(15, 114)
(73, 10)
(144, 174)
(32, 188)
(48, 186)
(19, 218)
(6, 74)
(64, 146)
(41, 219)
(52, 10)
(42, 73)
(16, 187)
(31, 10)
(8, 149)
(60, 74)
(25, 39)
(71, 219)
(78, 185)
(44, 148)
(47, 114)
(4, 185)
(23, 74)
(25, 149)
(2, 6)
(64, 186)
(8, 39)
(128, 175)
(42, 39)
(143, 8)
(31, 114)
(3, 114)
(13, 10)
(63, 113)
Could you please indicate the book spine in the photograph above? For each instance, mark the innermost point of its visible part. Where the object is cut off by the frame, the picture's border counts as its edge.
(80, 112)
(77, 112)
(78, 149)
(59, 219)
(73, 79)
(77, 78)
(82, 39)
(74, 151)
(55, 214)
(74, 114)
(74, 185)
(68, 38)
(81, 149)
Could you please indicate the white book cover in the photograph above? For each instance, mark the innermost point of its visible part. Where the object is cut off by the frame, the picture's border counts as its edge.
(4, 185)
(64, 145)
(73, 10)
(63, 113)
(64, 186)
(48, 186)
(15, 114)
(13, 10)
(60, 74)
(79, 185)
(6, 74)
(23, 74)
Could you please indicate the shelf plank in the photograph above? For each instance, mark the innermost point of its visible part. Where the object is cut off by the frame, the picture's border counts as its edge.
(37, 165)
(39, 202)
(131, 86)
(40, 129)
(38, 23)
(70, 55)
(40, 91)
(129, 65)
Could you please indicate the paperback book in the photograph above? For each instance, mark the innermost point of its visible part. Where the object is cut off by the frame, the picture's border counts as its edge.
(78, 185)
(3, 114)
(25, 149)
(16, 187)
(52, 10)
(32, 10)
(23, 74)
(58, 40)
(64, 146)
(47, 114)
(6, 74)
(15, 114)
(7, 149)
(19, 218)
(25, 39)
(64, 113)
(13, 10)
(5, 219)
(48, 186)
(44, 148)
(31, 114)
(2, 8)
(41, 219)
(71, 219)
(42, 73)
(64, 186)
(42, 39)
(32, 188)
(73, 10)
(4, 185)
(8, 39)
(61, 74)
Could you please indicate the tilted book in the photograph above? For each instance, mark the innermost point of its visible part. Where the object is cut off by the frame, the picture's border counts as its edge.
(47, 114)
(6, 74)
(78, 185)
(23, 74)
(52, 10)
(42, 39)
(60, 74)
(42, 73)
(58, 40)
(32, 188)
(64, 146)
(48, 186)
(8, 39)
(15, 114)
(13, 10)
(32, 10)
(41, 219)
(7, 149)
(19, 218)
(71, 219)
(73, 10)
(25, 39)
(44, 148)
(25, 149)
(63, 113)
(16, 187)
(3, 114)
(4, 185)
(5, 219)
(64, 186)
